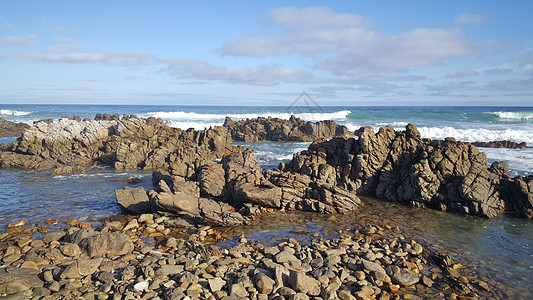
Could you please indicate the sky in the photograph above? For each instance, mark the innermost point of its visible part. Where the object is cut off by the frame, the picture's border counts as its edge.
(267, 52)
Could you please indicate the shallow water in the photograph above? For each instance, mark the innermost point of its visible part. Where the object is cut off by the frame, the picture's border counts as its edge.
(35, 196)
(498, 251)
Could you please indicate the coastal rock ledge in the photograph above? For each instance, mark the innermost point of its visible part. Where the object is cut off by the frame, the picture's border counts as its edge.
(71, 145)
(231, 191)
(390, 165)
(281, 130)
(400, 166)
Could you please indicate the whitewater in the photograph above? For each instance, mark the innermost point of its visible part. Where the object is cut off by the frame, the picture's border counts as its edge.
(468, 124)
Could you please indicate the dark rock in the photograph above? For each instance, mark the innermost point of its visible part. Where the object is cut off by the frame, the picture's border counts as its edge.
(501, 144)
(109, 243)
(133, 200)
(274, 129)
(128, 143)
(8, 128)
(104, 277)
(134, 180)
(402, 167)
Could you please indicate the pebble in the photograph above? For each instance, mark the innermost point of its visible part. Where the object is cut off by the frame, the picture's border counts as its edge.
(73, 222)
(17, 224)
(346, 268)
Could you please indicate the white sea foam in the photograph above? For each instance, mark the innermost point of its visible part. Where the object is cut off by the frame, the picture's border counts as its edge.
(394, 124)
(476, 134)
(198, 125)
(513, 115)
(520, 161)
(200, 121)
(10, 112)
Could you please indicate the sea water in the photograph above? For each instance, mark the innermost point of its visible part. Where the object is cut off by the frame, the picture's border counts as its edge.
(500, 248)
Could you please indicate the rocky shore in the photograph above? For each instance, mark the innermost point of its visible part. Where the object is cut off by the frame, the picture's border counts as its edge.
(400, 166)
(71, 145)
(280, 130)
(147, 257)
(166, 249)
(390, 165)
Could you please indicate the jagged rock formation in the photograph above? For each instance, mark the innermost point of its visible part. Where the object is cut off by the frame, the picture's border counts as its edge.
(400, 166)
(72, 144)
(8, 128)
(280, 130)
(229, 191)
(501, 144)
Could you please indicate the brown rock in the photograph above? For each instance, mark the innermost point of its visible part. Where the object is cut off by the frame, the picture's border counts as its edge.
(133, 200)
(274, 129)
(8, 128)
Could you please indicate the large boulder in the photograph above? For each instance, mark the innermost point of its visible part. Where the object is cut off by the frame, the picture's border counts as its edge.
(111, 244)
(14, 280)
(94, 243)
(133, 200)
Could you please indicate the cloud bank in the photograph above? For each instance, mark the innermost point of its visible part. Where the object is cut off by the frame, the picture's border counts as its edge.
(346, 44)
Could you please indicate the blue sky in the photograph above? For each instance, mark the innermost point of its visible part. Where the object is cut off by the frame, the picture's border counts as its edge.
(255, 53)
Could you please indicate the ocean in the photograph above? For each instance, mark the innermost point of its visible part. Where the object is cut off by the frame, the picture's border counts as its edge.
(499, 248)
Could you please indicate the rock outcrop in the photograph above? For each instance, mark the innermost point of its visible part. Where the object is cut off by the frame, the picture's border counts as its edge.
(501, 144)
(8, 128)
(127, 143)
(280, 130)
(401, 166)
(229, 191)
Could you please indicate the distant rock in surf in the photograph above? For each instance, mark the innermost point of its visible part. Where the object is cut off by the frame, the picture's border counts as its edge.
(501, 144)
(280, 130)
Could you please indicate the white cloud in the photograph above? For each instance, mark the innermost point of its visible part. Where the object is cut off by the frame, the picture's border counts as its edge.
(93, 80)
(497, 71)
(64, 44)
(316, 17)
(345, 44)
(462, 73)
(22, 40)
(467, 19)
(109, 58)
(265, 75)
(512, 85)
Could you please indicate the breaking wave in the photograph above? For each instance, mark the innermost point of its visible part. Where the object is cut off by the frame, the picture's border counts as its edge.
(513, 115)
(186, 120)
(10, 112)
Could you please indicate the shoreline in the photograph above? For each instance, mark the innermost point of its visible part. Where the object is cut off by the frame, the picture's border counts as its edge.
(356, 262)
